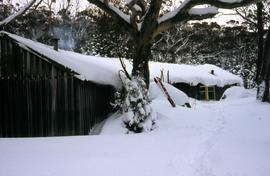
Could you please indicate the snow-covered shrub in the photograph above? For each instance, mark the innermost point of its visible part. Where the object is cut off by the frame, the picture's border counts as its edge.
(134, 104)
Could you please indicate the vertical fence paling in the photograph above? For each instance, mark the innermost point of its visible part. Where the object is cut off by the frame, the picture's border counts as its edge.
(38, 98)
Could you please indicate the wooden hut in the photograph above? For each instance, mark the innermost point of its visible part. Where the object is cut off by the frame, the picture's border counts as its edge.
(202, 82)
(203, 92)
(40, 95)
(49, 92)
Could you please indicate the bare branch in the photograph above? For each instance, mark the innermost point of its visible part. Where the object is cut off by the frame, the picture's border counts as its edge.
(17, 14)
(122, 18)
(244, 17)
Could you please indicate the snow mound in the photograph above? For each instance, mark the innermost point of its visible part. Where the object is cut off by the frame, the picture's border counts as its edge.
(236, 92)
(194, 74)
(179, 97)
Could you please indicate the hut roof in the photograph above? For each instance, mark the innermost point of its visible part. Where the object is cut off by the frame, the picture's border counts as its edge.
(105, 70)
(196, 74)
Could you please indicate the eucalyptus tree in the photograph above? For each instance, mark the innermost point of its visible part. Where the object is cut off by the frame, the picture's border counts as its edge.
(144, 20)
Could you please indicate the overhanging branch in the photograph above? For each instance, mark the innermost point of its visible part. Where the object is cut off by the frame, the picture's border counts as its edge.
(122, 18)
(17, 14)
(193, 14)
(182, 13)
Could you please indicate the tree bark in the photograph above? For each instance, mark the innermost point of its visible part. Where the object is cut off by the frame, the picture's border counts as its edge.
(260, 42)
(266, 95)
(140, 62)
(265, 73)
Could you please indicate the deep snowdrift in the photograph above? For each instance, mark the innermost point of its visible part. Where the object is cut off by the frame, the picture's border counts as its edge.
(235, 93)
(227, 138)
(179, 97)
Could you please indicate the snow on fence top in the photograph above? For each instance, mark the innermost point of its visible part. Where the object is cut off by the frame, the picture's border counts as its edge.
(105, 70)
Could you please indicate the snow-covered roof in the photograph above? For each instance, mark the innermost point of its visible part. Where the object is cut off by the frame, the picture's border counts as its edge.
(195, 74)
(105, 70)
(97, 69)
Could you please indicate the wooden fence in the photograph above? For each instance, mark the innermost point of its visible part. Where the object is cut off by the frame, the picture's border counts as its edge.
(39, 97)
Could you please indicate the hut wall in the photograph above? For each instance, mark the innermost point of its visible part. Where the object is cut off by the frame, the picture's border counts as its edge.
(191, 91)
(194, 91)
(41, 98)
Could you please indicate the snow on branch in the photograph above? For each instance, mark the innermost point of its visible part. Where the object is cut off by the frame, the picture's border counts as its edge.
(229, 4)
(17, 14)
(186, 11)
(114, 12)
(131, 3)
(173, 13)
(189, 4)
(119, 12)
(203, 11)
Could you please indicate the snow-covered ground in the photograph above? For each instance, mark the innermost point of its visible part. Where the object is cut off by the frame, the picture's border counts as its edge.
(226, 138)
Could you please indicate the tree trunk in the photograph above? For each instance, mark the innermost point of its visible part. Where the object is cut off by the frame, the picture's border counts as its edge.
(265, 73)
(140, 62)
(266, 95)
(260, 42)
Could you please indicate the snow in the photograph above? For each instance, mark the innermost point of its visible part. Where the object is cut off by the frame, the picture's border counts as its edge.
(226, 138)
(203, 11)
(137, 8)
(174, 12)
(96, 69)
(236, 92)
(137, 113)
(128, 1)
(179, 97)
(15, 15)
(194, 11)
(119, 12)
(105, 70)
(195, 74)
(231, 1)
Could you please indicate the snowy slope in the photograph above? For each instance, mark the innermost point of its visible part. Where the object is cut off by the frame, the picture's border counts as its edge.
(179, 97)
(105, 70)
(226, 138)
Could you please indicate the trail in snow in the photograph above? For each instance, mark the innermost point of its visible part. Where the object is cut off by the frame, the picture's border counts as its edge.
(214, 133)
